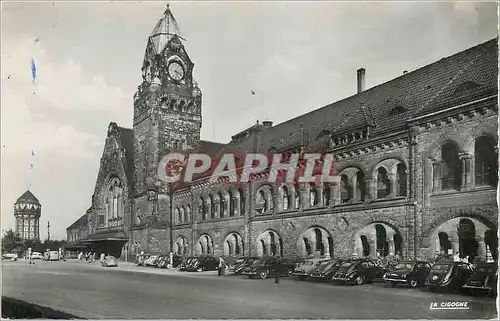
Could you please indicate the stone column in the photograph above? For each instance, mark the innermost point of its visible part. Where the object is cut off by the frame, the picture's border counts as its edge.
(481, 247)
(369, 186)
(334, 194)
(466, 170)
(354, 185)
(392, 182)
(326, 245)
(436, 175)
(373, 246)
(304, 198)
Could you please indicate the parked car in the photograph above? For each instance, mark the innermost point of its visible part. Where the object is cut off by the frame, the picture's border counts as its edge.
(161, 260)
(186, 262)
(10, 256)
(54, 256)
(36, 256)
(359, 272)
(413, 273)
(164, 261)
(326, 271)
(109, 261)
(203, 263)
(304, 268)
(482, 279)
(448, 276)
(140, 261)
(150, 261)
(269, 266)
(240, 263)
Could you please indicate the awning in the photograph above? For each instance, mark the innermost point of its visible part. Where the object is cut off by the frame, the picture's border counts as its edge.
(109, 236)
(77, 245)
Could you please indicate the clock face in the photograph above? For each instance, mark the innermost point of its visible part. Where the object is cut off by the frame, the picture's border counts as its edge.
(175, 71)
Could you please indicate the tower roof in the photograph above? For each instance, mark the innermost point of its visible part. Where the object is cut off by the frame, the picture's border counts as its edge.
(27, 197)
(165, 30)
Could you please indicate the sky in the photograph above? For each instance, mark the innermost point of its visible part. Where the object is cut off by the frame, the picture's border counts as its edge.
(296, 56)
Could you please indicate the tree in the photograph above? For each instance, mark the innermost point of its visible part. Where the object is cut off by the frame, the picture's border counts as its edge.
(11, 242)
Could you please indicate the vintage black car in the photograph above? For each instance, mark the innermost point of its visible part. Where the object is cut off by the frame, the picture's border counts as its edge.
(448, 276)
(326, 270)
(269, 266)
(482, 279)
(358, 272)
(413, 273)
(240, 263)
(203, 263)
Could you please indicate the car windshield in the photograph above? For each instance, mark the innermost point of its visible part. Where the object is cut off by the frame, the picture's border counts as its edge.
(307, 263)
(238, 261)
(441, 267)
(259, 262)
(330, 264)
(402, 266)
(347, 264)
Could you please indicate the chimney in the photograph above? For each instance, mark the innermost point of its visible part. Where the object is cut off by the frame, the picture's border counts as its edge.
(267, 123)
(361, 80)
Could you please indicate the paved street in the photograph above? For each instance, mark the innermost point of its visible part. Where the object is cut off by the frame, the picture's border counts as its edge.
(91, 291)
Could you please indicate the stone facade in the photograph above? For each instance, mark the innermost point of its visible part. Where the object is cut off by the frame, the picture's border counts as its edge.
(416, 157)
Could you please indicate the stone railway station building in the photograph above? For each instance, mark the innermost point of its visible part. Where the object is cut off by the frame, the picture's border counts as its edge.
(417, 157)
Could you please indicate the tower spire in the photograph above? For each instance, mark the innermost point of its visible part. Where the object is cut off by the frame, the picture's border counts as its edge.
(165, 30)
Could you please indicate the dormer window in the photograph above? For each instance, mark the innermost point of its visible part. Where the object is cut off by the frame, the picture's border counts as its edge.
(398, 110)
(467, 85)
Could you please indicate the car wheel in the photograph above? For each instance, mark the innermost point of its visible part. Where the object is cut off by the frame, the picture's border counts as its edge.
(199, 269)
(263, 274)
(289, 273)
(360, 280)
(413, 283)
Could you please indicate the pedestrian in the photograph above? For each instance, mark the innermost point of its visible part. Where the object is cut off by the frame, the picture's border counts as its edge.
(221, 266)
(277, 270)
(102, 257)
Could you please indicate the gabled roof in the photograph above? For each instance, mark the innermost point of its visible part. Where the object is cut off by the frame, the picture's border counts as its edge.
(81, 222)
(127, 141)
(165, 30)
(425, 90)
(27, 198)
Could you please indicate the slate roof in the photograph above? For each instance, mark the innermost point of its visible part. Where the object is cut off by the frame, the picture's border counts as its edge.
(27, 198)
(82, 221)
(425, 90)
(127, 141)
(165, 30)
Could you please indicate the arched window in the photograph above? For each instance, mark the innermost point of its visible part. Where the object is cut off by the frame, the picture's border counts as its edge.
(444, 243)
(319, 241)
(401, 180)
(313, 196)
(188, 214)
(222, 206)
(178, 215)
(242, 202)
(307, 246)
(297, 198)
(284, 191)
(452, 167)
(182, 215)
(202, 208)
(264, 247)
(383, 183)
(382, 244)
(262, 201)
(232, 202)
(365, 245)
(345, 189)
(360, 185)
(485, 161)
(212, 207)
(326, 195)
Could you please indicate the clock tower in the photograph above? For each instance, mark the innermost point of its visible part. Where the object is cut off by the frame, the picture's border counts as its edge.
(167, 111)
